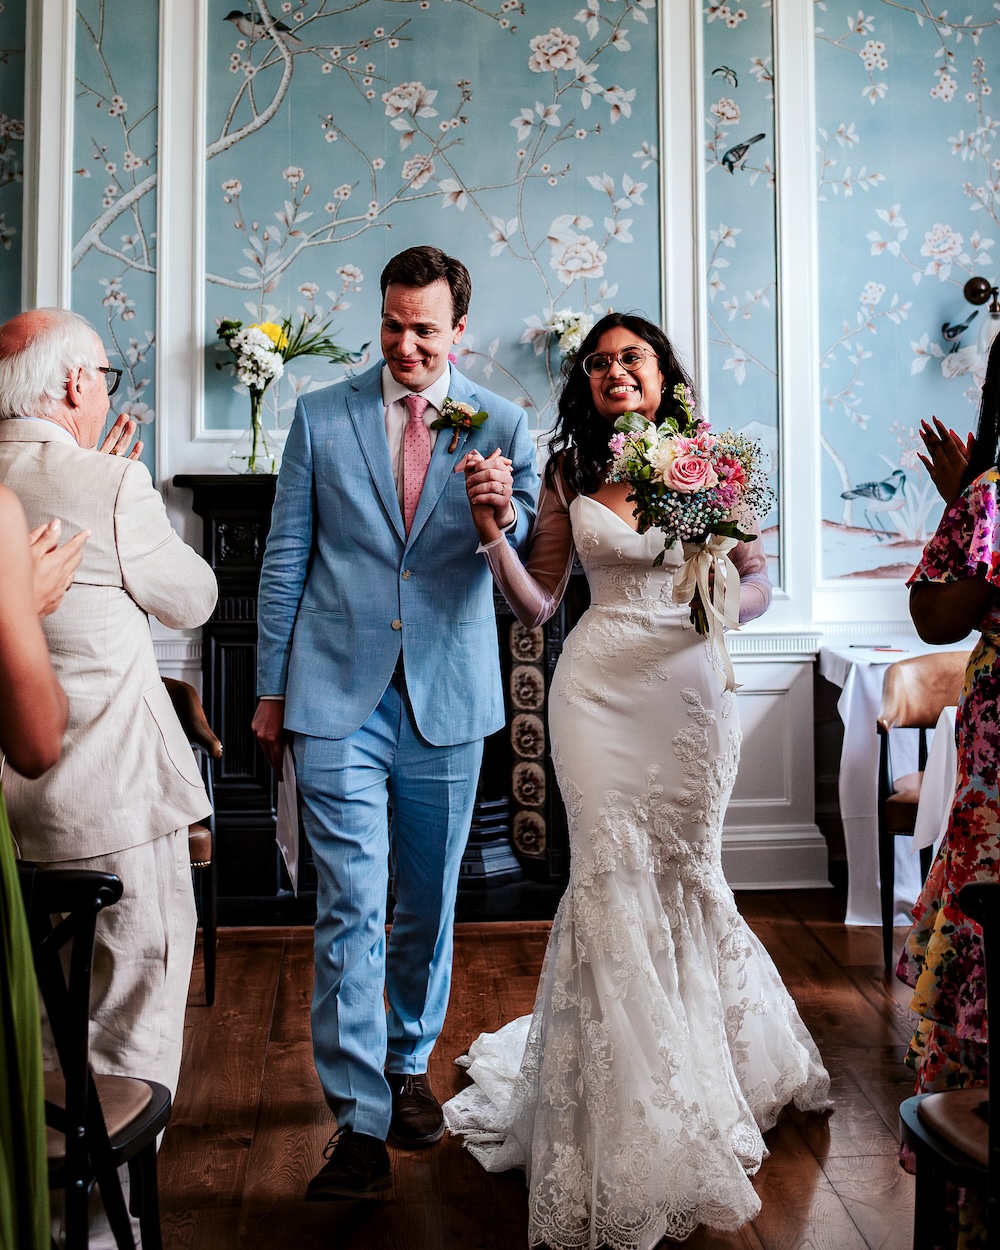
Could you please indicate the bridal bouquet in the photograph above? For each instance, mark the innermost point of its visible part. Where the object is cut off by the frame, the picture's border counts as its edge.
(701, 488)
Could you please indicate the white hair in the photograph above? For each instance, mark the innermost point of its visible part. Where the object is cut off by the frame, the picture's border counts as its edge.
(33, 378)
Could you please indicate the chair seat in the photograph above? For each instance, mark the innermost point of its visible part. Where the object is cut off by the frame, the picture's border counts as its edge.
(958, 1115)
(123, 1098)
(200, 846)
(901, 805)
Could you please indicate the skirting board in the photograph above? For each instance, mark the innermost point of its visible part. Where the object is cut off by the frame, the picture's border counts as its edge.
(794, 858)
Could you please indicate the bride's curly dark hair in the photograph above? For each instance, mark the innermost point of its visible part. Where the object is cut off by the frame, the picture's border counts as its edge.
(580, 440)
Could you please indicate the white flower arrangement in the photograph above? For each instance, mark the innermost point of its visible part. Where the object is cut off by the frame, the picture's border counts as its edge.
(570, 329)
(258, 362)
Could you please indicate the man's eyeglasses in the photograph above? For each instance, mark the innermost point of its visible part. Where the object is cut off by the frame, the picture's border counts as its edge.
(598, 363)
(112, 377)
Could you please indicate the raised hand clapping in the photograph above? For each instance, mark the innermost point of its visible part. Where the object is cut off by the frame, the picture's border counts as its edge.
(947, 458)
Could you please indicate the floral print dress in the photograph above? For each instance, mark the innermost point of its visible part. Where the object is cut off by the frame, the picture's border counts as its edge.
(942, 958)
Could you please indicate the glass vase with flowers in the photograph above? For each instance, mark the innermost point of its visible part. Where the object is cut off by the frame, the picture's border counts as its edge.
(260, 353)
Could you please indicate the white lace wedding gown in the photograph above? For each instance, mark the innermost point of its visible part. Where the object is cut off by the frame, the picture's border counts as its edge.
(662, 1041)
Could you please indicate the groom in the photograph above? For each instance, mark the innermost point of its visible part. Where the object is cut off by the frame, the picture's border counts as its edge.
(378, 664)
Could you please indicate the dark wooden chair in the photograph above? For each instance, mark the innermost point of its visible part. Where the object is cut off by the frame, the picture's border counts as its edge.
(95, 1123)
(955, 1134)
(915, 691)
(201, 837)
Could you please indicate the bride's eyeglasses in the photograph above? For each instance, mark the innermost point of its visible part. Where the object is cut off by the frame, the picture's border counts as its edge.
(598, 363)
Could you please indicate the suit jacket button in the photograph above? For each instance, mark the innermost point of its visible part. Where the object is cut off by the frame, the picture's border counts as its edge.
(397, 624)
(406, 575)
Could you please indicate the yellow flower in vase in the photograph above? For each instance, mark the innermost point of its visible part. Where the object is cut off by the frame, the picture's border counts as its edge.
(275, 333)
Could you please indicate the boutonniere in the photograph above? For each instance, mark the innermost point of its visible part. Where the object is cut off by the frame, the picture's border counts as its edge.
(458, 416)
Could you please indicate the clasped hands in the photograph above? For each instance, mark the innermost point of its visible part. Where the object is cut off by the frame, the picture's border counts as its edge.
(489, 484)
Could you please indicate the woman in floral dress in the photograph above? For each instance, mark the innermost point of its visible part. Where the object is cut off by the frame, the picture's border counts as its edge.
(954, 590)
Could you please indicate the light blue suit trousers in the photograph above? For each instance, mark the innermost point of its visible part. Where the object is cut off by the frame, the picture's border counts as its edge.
(430, 792)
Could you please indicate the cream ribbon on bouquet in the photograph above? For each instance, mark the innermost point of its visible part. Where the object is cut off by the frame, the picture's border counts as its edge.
(720, 598)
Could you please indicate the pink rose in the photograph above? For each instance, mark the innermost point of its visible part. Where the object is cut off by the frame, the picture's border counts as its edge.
(688, 474)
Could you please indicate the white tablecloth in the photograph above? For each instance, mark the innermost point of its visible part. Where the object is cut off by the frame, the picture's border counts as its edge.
(859, 671)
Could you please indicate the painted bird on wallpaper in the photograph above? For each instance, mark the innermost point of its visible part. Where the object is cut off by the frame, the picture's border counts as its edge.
(738, 151)
(879, 497)
(728, 74)
(953, 334)
(251, 28)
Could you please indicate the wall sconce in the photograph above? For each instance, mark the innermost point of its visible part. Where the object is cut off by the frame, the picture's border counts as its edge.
(978, 291)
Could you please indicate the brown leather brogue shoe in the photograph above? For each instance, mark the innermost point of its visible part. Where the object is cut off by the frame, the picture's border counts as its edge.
(357, 1166)
(417, 1119)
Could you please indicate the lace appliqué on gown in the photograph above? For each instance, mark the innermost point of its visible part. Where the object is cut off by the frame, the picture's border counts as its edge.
(604, 639)
(662, 1042)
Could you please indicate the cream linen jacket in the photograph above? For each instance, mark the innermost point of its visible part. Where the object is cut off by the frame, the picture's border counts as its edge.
(126, 774)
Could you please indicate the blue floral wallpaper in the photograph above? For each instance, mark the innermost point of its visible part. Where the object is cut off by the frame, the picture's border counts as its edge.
(12, 30)
(524, 137)
(114, 200)
(521, 137)
(907, 189)
(740, 257)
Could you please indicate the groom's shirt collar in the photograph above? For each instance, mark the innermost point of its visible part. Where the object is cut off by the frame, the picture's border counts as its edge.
(394, 392)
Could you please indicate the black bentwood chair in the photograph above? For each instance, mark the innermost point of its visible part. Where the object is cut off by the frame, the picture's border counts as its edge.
(95, 1123)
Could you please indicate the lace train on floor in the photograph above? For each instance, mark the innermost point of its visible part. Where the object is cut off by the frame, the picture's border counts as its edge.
(638, 1105)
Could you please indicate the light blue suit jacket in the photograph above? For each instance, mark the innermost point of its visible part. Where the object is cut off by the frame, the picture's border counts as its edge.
(343, 588)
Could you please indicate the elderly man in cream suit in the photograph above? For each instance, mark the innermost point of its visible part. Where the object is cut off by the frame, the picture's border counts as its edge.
(126, 787)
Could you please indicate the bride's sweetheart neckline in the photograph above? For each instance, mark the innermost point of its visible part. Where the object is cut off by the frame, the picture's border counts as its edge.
(616, 515)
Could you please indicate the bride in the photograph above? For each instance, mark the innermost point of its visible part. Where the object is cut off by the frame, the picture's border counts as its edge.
(662, 1042)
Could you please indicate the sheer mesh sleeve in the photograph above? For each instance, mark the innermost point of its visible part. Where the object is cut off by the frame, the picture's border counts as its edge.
(535, 592)
(755, 585)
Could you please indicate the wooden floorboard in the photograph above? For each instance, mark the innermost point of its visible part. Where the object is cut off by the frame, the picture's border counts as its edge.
(250, 1123)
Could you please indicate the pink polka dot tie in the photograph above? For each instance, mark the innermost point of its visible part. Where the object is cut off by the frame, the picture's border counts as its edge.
(416, 455)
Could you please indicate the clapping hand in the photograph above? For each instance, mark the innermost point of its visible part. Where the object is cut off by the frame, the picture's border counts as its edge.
(489, 484)
(54, 566)
(947, 458)
(118, 438)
